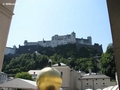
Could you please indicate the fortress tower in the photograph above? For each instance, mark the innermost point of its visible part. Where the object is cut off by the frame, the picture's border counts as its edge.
(73, 37)
(90, 40)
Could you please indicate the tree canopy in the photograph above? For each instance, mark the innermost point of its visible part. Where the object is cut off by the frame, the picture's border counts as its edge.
(24, 75)
(82, 59)
(107, 62)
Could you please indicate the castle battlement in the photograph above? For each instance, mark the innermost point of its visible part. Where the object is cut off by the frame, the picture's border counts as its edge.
(61, 40)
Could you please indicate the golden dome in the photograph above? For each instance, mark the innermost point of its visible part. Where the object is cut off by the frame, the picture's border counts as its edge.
(49, 78)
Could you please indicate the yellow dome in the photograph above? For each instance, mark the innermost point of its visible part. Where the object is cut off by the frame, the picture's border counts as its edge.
(49, 78)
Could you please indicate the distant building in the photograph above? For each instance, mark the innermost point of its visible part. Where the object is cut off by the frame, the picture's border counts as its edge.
(28, 49)
(74, 80)
(34, 73)
(57, 40)
(10, 50)
(3, 77)
(113, 87)
(10, 78)
(94, 82)
(87, 41)
(69, 76)
(61, 40)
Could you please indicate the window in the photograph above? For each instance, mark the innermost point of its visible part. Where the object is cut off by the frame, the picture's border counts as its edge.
(61, 73)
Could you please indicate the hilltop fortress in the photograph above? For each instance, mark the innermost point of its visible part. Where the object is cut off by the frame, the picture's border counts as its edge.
(61, 40)
(56, 40)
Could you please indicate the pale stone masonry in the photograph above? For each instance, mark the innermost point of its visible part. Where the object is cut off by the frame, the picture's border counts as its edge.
(77, 80)
(6, 13)
(61, 40)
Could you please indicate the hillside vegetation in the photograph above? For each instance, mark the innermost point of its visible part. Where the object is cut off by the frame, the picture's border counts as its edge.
(82, 59)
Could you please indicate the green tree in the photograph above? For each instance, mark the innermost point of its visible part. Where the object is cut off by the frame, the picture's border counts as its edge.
(25, 62)
(84, 64)
(68, 54)
(107, 62)
(110, 48)
(24, 75)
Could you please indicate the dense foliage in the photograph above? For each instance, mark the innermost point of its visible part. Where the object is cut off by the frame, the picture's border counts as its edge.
(82, 59)
(24, 75)
(107, 62)
(24, 63)
(78, 59)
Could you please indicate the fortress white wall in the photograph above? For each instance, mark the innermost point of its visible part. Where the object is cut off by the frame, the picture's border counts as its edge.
(60, 40)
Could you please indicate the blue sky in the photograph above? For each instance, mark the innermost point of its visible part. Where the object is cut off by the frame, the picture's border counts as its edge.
(38, 19)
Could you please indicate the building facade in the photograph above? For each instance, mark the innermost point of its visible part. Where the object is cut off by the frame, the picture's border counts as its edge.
(31, 47)
(61, 40)
(6, 13)
(3, 77)
(34, 73)
(74, 80)
(69, 76)
(95, 82)
(10, 50)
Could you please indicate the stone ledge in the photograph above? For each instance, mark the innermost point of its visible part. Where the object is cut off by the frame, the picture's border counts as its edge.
(5, 11)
